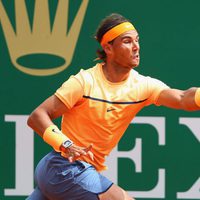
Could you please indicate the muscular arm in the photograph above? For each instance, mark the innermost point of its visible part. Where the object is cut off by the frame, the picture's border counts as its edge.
(42, 116)
(178, 99)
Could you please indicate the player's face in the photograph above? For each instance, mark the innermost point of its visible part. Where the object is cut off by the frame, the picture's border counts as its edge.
(125, 49)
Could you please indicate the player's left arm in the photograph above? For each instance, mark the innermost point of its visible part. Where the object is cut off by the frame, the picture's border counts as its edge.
(180, 99)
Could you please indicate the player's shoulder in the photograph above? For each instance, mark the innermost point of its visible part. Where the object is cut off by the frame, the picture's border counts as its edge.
(86, 76)
(90, 73)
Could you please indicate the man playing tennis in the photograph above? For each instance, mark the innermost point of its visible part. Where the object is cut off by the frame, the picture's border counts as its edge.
(97, 105)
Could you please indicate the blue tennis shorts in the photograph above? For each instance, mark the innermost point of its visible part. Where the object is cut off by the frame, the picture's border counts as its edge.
(58, 179)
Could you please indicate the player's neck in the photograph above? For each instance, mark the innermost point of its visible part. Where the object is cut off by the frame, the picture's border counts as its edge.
(114, 73)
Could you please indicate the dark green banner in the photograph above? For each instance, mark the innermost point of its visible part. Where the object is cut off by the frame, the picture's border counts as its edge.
(43, 42)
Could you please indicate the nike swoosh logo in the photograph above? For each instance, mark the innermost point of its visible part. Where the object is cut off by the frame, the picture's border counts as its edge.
(55, 131)
(110, 109)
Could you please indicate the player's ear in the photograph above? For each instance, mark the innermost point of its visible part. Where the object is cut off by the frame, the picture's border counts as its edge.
(107, 48)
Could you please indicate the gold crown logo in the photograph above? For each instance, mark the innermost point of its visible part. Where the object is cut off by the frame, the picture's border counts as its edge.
(41, 39)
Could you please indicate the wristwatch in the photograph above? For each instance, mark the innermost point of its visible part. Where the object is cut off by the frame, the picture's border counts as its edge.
(67, 143)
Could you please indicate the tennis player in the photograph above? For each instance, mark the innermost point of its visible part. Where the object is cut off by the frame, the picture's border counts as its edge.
(97, 105)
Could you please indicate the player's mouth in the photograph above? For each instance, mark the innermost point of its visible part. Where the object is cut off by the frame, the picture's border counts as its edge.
(136, 57)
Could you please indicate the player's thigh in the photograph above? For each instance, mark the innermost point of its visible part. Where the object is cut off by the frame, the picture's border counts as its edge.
(115, 193)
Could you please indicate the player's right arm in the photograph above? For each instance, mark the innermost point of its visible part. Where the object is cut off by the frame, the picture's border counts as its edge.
(42, 116)
(41, 119)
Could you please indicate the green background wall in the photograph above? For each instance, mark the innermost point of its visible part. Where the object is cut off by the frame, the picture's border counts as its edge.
(170, 51)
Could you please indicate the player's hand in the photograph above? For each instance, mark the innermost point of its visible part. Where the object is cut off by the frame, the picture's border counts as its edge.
(74, 152)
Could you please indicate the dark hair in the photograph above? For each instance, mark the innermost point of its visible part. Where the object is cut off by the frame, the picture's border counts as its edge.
(105, 25)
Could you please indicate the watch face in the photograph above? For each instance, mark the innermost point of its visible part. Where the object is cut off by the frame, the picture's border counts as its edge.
(67, 143)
